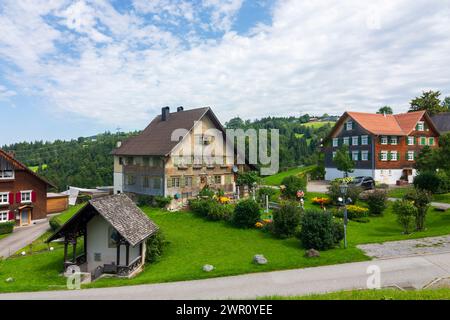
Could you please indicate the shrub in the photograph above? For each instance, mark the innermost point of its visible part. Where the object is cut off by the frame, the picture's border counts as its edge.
(246, 214)
(162, 202)
(206, 192)
(54, 223)
(429, 181)
(356, 212)
(155, 246)
(263, 191)
(144, 200)
(318, 173)
(7, 227)
(321, 200)
(201, 206)
(334, 192)
(319, 231)
(444, 182)
(292, 184)
(220, 212)
(406, 212)
(286, 220)
(421, 200)
(377, 202)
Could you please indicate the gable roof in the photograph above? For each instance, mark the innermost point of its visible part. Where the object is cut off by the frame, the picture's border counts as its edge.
(119, 211)
(21, 166)
(442, 122)
(155, 140)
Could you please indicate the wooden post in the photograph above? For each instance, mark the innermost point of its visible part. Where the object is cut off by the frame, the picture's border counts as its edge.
(74, 257)
(128, 254)
(118, 253)
(66, 243)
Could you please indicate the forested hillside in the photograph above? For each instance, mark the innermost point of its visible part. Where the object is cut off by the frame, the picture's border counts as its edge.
(82, 162)
(87, 162)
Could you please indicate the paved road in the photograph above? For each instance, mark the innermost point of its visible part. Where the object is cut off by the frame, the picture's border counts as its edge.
(409, 272)
(444, 206)
(21, 237)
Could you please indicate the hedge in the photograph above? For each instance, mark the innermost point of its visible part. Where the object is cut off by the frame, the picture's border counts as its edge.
(7, 227)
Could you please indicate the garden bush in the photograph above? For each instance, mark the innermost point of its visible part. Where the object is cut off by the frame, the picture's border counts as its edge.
(334, 192)
(206, 192)
(219, 211)
(54, 223)
(201, 207)
(155, 246)
(292, 184)
(406, 213)
(377, 202)
(246, 214)
(319, 231)
(263, 191)
(162, 202)
(318, 173)
(421, 200)
(428, 180)
(7, 227)
(354, 213)
(286, 220)
(145, 200)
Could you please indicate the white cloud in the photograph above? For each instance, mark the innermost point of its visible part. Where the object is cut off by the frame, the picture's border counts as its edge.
(5, 93)
(316, 56)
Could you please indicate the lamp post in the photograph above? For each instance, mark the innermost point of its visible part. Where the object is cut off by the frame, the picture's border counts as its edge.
(344, 188)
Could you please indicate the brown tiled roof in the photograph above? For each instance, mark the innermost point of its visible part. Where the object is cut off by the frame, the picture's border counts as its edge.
(380, 124)
(156, 138)
(20, 165)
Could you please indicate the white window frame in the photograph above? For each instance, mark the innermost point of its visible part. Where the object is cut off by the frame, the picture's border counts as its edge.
(355, 155)
(217, 176)
(411, 156)
(349, 125)
(392, 156)
(421, 126)
(394, 140)
(411, 140)
(364, 155)
(2, 194)
(4, 216)
(346, 141)
(364, 140)
(335, 142)
(3, 177)
(26, 192)
(384, 140)
(384, 156)
(355, 138)
(175, 182)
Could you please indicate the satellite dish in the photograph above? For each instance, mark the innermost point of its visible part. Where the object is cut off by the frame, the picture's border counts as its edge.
(235, 169)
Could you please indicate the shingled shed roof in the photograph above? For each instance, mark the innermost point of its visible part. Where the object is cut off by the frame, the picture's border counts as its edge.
(121, 212)
(118, 210)
(155, 140)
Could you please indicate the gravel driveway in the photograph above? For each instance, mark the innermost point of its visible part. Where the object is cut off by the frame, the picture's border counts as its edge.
(392, 249)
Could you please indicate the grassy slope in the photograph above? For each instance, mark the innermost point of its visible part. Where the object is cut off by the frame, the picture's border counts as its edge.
(318, 124)
(401, 191)
(276, 179)
(195, 242)
(385, 294)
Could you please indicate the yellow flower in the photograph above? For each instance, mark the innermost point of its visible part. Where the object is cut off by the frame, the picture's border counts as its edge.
(259, 225)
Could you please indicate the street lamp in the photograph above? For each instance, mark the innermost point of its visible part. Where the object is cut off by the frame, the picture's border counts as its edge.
(344, 200)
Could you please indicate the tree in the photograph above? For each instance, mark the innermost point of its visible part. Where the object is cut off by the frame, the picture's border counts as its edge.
(292, 184)
(421, 200)
(343, 161)
(385, 110)
(428, 101)
(446, 103)
(249, 179)
(426, 160)
(286, 220)
(235, 123)
(405, 211)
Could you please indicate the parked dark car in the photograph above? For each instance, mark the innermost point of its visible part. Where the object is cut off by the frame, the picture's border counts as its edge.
(367, 183)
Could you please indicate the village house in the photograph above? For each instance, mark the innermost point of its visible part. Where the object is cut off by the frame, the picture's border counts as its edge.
(153, 163)
(382, 146)
(23, 193)
(114, 232)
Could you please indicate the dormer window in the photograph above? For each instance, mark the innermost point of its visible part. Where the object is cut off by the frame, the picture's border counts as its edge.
(420, 126)
(349, 125)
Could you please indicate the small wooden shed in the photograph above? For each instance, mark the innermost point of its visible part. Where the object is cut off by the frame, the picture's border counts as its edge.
(57, 202)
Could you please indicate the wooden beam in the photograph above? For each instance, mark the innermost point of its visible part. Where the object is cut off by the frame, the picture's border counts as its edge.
(74, 257)
(66, 243)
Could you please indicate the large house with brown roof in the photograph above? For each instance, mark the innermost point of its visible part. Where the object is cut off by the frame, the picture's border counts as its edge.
(158, 162)
(23, 193)
(382, 146)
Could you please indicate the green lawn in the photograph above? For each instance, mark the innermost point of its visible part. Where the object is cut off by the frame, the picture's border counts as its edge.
(401, 191)
(318, 124)
(275, 180)
(35, 168)
(195, 242)
(384, 294)
(4, 235)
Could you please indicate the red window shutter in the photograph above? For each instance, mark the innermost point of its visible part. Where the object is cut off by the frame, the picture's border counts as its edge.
(11, 198)
(11, 216)
(33, 196)
(18, 197)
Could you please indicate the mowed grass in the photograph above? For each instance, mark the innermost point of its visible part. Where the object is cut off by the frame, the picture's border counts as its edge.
(318, 124)
(276, 179)
(401, 191)
(384, 294)
(194, 242)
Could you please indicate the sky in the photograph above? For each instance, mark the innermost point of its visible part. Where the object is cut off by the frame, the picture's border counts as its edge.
(78, 68)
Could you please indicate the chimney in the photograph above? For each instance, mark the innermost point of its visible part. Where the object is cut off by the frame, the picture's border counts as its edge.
(180, 108)
(165, 113)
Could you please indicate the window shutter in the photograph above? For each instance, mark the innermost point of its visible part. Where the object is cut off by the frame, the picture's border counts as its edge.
(425, 126)
(169, 182)
(369, 155)
(379, 156)
(11, 215)
(18, 197)
(398, 156)
(11, 198)
(33, 196)
(417, 127)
